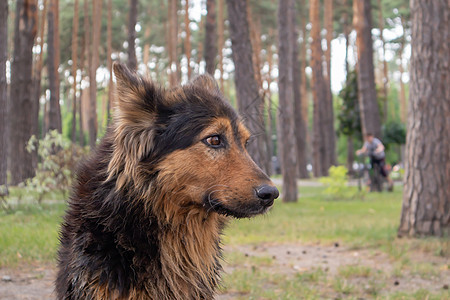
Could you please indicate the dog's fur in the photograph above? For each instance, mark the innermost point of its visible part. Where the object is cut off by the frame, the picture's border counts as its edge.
(145, 217)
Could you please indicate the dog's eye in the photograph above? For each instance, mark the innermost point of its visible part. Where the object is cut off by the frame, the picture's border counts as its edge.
(214, 141)
(246, 143)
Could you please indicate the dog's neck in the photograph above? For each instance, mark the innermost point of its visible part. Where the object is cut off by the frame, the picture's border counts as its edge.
(191, 254)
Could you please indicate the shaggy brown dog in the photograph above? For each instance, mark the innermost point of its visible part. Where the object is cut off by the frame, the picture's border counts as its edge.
(145, 217)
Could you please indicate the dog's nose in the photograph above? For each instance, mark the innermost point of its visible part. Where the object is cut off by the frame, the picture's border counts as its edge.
(267, 194)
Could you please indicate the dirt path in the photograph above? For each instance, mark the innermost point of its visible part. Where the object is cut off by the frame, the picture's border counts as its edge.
(36, 283)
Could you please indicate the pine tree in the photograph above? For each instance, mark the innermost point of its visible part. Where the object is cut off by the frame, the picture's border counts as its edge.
(426, 193)
(21, 98)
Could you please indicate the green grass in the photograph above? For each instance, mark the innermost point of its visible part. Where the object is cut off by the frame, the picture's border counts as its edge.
(28, 235)
(358, 223)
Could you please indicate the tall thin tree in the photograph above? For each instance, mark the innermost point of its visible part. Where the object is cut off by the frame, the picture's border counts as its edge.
(299, 121)
(210, 49)
(132, 21)
(54, 121)
(330, 131)
(221, 39)
(3, 93)
(370, 114)
(109, 60)
(74, 69)
(187, 38)
(319, 91)
(286, 134)
(172, 42)
(250, 104)
(93, 65)
(426, 193)
(383, 59)
(21, 98)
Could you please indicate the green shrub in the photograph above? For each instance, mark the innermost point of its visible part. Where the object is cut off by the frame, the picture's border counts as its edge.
(336, 186)
(58, 159)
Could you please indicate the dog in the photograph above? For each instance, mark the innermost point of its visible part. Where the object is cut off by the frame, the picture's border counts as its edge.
(145, 217)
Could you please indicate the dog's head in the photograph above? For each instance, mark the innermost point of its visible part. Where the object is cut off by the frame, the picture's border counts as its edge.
(186, 145)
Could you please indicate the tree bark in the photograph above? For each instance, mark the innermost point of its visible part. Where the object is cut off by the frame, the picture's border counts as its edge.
(187, 39)
(93, 65)
(331, 136)
(346, 29)
(250, 104)
(210, 37)
(403, 105)
(286, 122)
(350, 154)
(303, 64)
(74, 69)
(3, 94)
(37, 76)
(221, 40)
(320, 165)
(370, 114)
(255, 39)
(132, 20)
(54, 121)
(109, 60)
(385, 66)
(172, 42)
(299, 122)
(426, 205)
(21, 98)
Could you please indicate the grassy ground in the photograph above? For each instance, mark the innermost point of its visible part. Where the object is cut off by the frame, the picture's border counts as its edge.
(28, 235)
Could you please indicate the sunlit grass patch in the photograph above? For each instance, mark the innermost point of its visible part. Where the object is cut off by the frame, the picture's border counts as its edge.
(30, 234)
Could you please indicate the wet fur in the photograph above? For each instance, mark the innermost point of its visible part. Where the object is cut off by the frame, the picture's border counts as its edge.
(145, 217)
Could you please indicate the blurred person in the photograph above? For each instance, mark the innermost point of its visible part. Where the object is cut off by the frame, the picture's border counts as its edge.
(374, 148)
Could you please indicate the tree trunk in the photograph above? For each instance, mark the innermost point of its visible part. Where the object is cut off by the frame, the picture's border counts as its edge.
(303, 64)
(38, 75)
(346, 28)
(221, 40)
(331, 136)
(132, 20)
(255, 39)
(249, 101)
(286, 122)
(269, 104)
(350, 154)
(403, 112)
(54, 121)
(172, 42)
(93, 65)
(3, 94)
(211, 37)
(200, 44)
(320, 165)
(21, 98)
(426, 205)
(187, 39)
(370, 115)
(385, 66)
(299, 122)
(146, 54)
(109, 60)
(403, 105)
(74, 70)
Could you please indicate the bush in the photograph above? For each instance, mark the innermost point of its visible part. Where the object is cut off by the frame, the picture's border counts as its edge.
(336, 186)
(58, 159)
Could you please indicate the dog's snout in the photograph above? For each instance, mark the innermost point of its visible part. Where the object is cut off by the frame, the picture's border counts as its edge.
(267, 194)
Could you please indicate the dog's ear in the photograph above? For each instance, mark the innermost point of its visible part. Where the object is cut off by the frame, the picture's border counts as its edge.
(135, 95)
(133, 126)
(206, 82)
